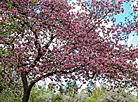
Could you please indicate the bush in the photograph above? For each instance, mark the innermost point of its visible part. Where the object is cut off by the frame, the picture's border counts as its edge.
(9, 95)
(97, 95)
(46, 96)
(91, 99)
(117, 95)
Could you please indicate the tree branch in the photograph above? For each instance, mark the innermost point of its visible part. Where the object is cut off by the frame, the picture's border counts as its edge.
(24, 80)
(99, 21)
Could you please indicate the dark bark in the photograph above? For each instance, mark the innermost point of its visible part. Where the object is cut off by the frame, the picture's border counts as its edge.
(27, 89)
(26, 96)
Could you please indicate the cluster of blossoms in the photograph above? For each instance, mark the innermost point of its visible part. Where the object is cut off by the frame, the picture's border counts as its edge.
(45, 38)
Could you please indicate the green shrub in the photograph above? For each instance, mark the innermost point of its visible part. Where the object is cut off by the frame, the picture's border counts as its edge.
(94, 94)
(91, 99)
(44, 96)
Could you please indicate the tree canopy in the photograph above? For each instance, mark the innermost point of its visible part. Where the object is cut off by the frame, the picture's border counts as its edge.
(45, 38)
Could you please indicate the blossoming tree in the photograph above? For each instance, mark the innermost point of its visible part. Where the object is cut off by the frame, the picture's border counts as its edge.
(45, 39)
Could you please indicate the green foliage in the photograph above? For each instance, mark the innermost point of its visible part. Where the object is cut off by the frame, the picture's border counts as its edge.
(1, 84)
(48, 96)
(70, 89)
(96, 96)
(91, 99)
(65, 98)
(56, 98)
(12, 93)
(93, 94)
(97, 92)
(3, 24)
(35, 95)
(9, 95)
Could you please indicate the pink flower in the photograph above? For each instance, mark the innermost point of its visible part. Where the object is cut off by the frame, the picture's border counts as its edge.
(108, 61)
(10, 74)
(6, 69)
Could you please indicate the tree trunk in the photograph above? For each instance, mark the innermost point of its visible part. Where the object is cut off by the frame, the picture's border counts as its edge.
(27, 89)
(26, 96)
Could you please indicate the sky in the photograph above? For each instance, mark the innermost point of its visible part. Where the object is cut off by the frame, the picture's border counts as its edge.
(119, 18)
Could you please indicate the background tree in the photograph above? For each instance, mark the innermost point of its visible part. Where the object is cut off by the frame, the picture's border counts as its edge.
(10, 91)
(46, 39)
(90, 87)
(70, 88)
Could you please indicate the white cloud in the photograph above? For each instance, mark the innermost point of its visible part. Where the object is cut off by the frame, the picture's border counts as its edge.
(129, 40)
(122, 42)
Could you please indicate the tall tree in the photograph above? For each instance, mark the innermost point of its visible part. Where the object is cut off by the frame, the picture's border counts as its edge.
(46, 39)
